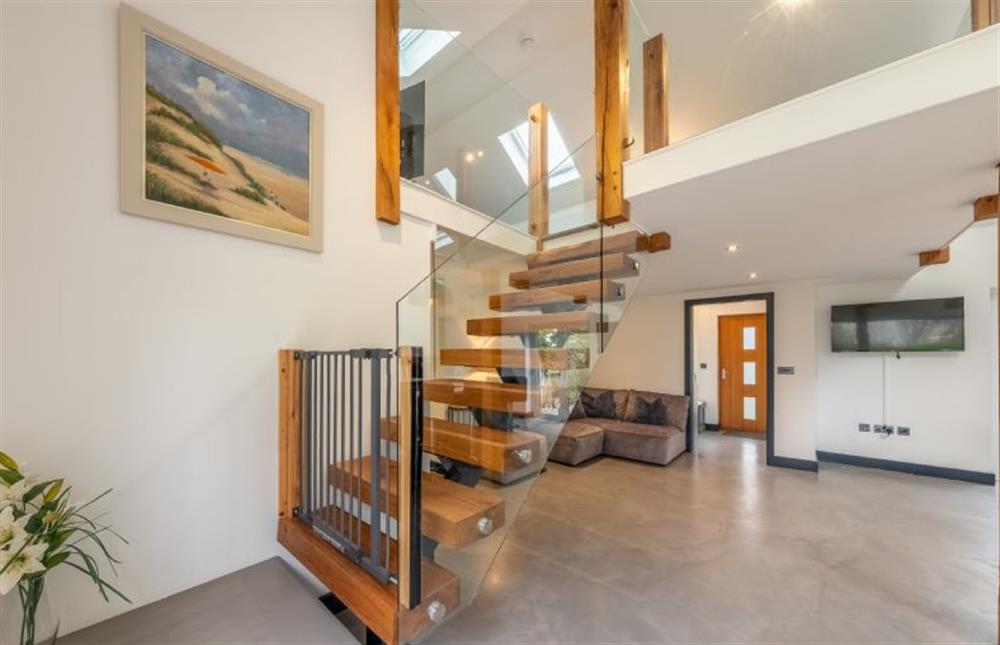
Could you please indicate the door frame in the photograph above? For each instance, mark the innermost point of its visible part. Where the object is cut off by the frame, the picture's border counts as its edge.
(762, 372)
(689, 305)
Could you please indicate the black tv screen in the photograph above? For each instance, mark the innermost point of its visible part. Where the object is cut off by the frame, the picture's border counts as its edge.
(936, 325)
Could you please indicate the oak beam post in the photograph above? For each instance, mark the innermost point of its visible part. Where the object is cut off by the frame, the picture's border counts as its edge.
(985, 207)
(985, 13)
(655, 92)
(937, 256)
(289, 451)
(409, 439)
(538, 172)
(387, 111)
(611, 107)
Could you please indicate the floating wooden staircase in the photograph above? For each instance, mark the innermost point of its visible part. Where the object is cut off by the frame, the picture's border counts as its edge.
(495, 450)
(453, 515)
(571, 321)
(514, 398)
(560, 291)
(493, 358)
(572, 294)
(614, 265)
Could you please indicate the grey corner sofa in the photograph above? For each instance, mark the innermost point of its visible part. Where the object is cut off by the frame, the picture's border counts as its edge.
(644, 426)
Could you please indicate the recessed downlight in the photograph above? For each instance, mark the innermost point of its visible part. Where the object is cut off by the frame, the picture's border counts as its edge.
(732, 248)
(753, 276)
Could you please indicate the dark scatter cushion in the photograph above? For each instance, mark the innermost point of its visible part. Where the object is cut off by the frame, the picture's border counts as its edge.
(577, 412)
(649, 411)
(599, 406)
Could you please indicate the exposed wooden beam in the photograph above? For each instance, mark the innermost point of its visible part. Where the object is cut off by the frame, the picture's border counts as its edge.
(289, 471)
(658, 242)
(655, 87)
(538, 172)
(937, 256)
(406, 539)
(985, 208)
(387, 111)
(611, 107)
(985, 13)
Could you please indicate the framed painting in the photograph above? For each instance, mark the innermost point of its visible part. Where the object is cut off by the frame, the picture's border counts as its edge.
(208, 142)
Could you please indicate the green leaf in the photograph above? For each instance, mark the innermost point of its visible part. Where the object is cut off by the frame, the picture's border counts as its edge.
(53, 491)
(7, 462)
(10, 477)
(56, 559)
(36, 490)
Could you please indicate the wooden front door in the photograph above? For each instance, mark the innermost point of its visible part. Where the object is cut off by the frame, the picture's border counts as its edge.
(743, 372)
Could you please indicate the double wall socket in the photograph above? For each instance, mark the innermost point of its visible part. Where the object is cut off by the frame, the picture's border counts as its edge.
(879, 428)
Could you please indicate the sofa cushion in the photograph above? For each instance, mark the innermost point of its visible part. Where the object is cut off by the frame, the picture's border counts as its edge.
(598, 404)
(675, 406)
(642, 442)
(578, 442)
(649, 411)
(620, 398)
(577, 412)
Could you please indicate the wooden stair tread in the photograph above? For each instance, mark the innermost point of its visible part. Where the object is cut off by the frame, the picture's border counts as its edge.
(629, 242)
(375, 603)
(451, 512)
(574, 293)
(615, 265)
(485, 395)
(568, 321)
(495, 450)
(493, 358)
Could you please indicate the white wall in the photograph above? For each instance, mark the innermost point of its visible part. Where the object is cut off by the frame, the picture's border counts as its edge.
(705, 341)
(140, 355)
(946, 399)
(647, 353)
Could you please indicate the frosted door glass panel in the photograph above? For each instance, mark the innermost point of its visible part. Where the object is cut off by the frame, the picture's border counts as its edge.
(750, 408)
(749, 338)
(749, 372)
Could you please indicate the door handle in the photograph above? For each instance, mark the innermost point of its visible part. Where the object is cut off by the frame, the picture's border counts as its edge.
(723, 373)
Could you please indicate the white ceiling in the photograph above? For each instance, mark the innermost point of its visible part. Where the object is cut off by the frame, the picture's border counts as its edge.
(858, 206)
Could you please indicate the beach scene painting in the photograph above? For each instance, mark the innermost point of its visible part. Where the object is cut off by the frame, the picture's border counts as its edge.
(221, 150)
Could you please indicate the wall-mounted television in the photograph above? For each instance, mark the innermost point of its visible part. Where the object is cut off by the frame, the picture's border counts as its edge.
(935, 325)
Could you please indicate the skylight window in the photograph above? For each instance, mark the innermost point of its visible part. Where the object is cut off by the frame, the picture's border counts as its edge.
(445, 178)
(562, 170)
(442, 240)
(418, 46)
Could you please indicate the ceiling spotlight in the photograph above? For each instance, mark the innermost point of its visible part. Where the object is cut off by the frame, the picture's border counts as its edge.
(479, 154)
(793, 3)
(753, 276)
(733, 248)
(469, 157)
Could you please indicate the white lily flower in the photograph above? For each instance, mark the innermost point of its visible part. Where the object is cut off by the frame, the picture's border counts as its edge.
(11, 530)
(14, 493)
(18, 561)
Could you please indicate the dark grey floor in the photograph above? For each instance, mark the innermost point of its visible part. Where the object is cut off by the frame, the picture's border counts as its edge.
(721, 549)
(265, 603)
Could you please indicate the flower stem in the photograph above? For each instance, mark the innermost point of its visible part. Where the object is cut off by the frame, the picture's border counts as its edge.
(31, 596)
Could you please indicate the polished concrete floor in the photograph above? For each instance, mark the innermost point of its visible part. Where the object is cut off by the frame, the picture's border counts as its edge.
(721, 549)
